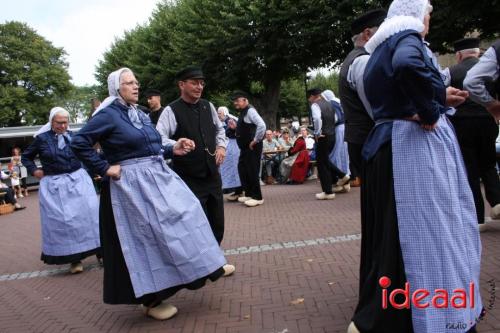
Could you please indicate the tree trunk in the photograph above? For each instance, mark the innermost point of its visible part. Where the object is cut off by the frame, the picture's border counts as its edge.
(267, 105)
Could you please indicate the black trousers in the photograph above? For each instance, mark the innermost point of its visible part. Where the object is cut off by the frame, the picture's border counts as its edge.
(327, 172)
(248, 169)
(476, 137)
(209, 191)
(355, 159)
(9, 195)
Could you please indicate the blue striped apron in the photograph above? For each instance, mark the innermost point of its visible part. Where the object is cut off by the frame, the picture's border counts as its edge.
(164, 234)
(69, 211)
(339, 155)
(437, 222)
(229, 168)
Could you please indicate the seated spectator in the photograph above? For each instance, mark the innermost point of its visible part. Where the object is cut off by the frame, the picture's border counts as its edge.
(294, 168)
(270, 161)
(9, 193)
(285, 140)
(304, 133)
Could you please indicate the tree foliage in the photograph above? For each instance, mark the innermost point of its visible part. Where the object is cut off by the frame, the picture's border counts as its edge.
(269, 44)
(33, 75)
(78, 102)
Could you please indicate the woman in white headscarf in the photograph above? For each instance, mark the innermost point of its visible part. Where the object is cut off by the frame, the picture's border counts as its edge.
(156, 238)
(339, 155)
(68, 203)
(229, 168)
(419, 227)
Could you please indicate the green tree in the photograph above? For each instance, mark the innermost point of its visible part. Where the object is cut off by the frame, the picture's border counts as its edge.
(293, 99)
(146, 50)
(324, 82)
(244, 44)
(238, 43)
(77, 102)
(33, 75)
(452, 20)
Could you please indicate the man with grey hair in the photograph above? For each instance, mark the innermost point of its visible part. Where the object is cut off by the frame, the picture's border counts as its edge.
(358, 119)
(478, 132)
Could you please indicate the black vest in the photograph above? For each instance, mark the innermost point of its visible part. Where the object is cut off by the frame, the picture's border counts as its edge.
(357, 121)
(245, 132)
(155, 115)
(327, 117)
(195, 122)
(468, 108)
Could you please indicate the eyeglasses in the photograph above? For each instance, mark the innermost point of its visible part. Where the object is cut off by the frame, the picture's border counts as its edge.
(131, 83)
(196, 82)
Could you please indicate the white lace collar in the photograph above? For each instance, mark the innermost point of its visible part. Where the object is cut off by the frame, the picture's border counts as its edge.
(391, 27)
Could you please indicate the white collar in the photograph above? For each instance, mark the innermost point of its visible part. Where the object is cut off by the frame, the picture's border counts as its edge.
(391, 27)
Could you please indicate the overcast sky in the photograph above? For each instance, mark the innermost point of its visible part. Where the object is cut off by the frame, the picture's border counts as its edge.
(85, 29)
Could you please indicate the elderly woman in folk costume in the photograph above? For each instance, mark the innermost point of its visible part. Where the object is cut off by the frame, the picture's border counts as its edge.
(229, 168)
(418, 218)
(69, 206)
(339, 155)
(156, 238)
(293, 169)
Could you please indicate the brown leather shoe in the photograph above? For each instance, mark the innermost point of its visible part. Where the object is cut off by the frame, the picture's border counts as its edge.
(270, 180)
(356, 182)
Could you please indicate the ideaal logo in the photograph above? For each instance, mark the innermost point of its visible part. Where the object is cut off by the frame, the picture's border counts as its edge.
(460, 298)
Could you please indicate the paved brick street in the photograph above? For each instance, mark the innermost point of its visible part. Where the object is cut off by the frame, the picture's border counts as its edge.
(297, 271)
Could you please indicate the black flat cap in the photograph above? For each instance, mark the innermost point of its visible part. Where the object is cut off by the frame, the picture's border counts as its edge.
(313, 92)
(191, 72)
(465, 44)
(237, 94)
(370, 19)
(152, 92)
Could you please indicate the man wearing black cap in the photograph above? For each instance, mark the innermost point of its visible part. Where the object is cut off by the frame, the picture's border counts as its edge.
(476, 132)
(195, 118)
(154, 102)
(250, 131)
(323, 117)
(357, 111)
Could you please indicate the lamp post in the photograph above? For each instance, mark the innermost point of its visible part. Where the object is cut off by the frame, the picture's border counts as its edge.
(308, 108)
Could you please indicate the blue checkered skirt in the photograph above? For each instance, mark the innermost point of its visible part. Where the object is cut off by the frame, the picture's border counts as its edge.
(229, 168)
(164, 234)
(69, 212)
(339, 155)
(437, 221)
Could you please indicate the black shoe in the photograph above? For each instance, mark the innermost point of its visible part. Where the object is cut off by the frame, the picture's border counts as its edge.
(20, 208)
